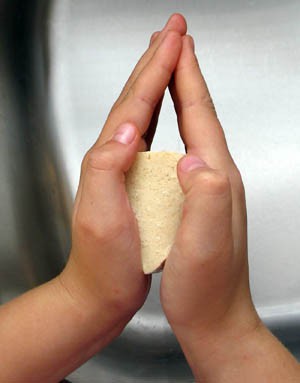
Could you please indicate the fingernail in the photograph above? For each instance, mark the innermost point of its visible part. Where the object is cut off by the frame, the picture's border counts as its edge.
(125, 134)
(190, 163)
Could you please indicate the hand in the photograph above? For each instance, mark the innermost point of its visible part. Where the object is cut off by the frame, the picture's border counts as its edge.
(78, 313)
(205, 286)
(104, 273)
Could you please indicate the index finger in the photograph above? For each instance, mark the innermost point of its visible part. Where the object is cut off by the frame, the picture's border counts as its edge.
(148, 81)
(175, 23)
(199, 126)
(201, 130)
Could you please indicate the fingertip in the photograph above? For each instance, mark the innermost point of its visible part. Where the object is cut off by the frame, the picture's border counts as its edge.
(188, 39)
(177, 21)
(188, 45)
(154, 36)
(187, 56)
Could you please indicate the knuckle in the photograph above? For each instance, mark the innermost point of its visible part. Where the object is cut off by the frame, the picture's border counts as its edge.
(207, 102)
(213, 182)
(117, 302)
(98, 159)
(141, 97)
(121, 301)
(83, 226)
(84, 162)
(100, 231)
(203, 101)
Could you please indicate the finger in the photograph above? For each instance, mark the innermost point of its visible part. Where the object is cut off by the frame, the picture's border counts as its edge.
(126, 134)
(149, 135)
(215, 193)
(175, 23)
(103, 190)
(154, 37)
(201, 264)
(202, 132)
(147, 138)
(206, 226)
(198, 123)
(143, 96)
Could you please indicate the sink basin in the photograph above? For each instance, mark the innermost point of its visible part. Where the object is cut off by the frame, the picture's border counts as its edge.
(62, 66)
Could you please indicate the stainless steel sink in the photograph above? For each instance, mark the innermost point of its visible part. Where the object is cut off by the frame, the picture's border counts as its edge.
(62, 64)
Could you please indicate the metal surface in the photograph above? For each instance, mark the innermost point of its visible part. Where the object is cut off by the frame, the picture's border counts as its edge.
(63, 64)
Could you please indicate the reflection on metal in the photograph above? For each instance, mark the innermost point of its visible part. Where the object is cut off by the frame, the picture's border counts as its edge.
(63, 64)
(34, 214)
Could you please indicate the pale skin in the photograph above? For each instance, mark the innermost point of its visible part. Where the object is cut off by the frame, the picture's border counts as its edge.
(51, 330)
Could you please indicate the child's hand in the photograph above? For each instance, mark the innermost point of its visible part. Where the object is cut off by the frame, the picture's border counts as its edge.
(204, 291)
(104, 273)
(68, 319)
(205, 287)
(205, 279)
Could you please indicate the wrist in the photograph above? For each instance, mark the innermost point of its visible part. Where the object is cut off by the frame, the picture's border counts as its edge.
(211, 348)
(93, 310)
(239, 353)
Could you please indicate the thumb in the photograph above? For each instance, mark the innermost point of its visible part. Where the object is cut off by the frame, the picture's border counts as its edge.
(103, 199)
(206, 225)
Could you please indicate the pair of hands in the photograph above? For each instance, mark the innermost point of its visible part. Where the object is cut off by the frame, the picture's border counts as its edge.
(204, 287)
(51, 330)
